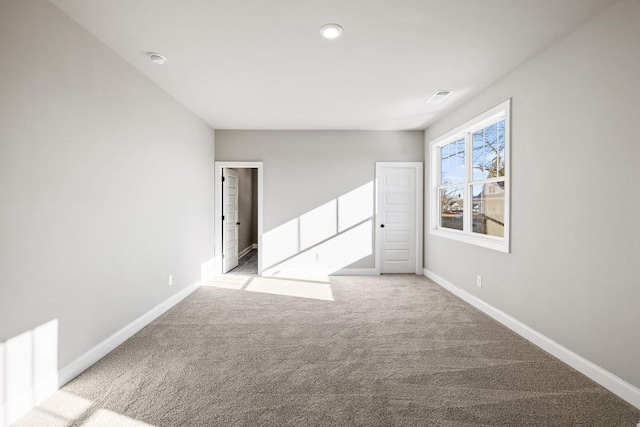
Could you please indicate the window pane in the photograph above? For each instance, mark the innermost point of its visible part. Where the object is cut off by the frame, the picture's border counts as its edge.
(452, 162)
(477, 140)
(501, 148)
(488, 208)
(451, 207)
(488, 151)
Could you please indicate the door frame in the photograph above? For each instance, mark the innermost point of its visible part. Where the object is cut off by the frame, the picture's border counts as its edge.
(418, 168)
(217, 229)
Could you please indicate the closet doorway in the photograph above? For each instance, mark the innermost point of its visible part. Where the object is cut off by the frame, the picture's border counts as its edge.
(238, 223)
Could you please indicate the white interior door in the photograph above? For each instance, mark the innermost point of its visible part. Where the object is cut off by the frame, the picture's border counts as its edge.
(229, 220)
(398, 218)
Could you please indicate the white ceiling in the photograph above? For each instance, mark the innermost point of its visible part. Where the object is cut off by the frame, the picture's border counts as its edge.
(261, 64)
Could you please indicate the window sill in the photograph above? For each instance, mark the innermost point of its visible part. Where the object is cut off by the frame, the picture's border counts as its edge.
(488, 242)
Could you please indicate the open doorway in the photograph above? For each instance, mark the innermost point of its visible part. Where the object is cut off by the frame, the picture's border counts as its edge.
(238, 220)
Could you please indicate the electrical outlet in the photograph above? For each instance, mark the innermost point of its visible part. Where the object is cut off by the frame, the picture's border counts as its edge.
(479, 281)
(170, 279)
(318, 256)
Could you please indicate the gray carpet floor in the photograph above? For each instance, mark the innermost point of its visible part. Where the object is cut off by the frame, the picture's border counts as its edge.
(393, 350)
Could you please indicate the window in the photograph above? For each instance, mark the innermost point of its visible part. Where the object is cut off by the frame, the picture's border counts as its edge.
(470, 181)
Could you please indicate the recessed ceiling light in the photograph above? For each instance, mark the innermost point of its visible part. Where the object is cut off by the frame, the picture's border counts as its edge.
(156, 58)
(331, 31)
(439, 96)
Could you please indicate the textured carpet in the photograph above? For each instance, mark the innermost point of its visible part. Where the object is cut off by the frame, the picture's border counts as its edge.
(390, 350)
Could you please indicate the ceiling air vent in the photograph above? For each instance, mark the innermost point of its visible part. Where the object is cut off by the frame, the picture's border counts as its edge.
(438, 97)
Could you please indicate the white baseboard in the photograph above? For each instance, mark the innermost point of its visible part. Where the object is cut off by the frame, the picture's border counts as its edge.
(611, 382)
(245, 251)
(356, 272)
(255, 246)
(103, 348)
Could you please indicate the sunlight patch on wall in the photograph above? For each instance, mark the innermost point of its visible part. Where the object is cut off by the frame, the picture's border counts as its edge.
(328, 257)
(355, 206)
(280, 243)
(318, 224)
(28, 370)
(207, 270)
(323, 240)
(306, 250)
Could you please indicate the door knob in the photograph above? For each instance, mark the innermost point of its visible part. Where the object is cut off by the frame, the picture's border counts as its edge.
(381, 225)
(237, 223)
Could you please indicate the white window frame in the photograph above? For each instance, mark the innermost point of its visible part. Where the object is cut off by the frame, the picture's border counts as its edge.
(465, 131)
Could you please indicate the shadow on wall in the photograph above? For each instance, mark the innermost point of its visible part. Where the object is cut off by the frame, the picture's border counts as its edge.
(28, 370)
(324, 240)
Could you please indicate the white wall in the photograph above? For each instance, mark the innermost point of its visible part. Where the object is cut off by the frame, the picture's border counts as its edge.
(572, 274)
(310, 177)
(105, 183)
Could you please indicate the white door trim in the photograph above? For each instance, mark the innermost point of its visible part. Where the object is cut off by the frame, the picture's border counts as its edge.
(217, 182)
(419, 211)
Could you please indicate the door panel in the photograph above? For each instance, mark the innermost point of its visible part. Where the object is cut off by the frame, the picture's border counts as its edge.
(398, 179)
(397, 199)
(398, 255)
(397, 212)
(397, 218)
(397, 236)
(229, 223)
